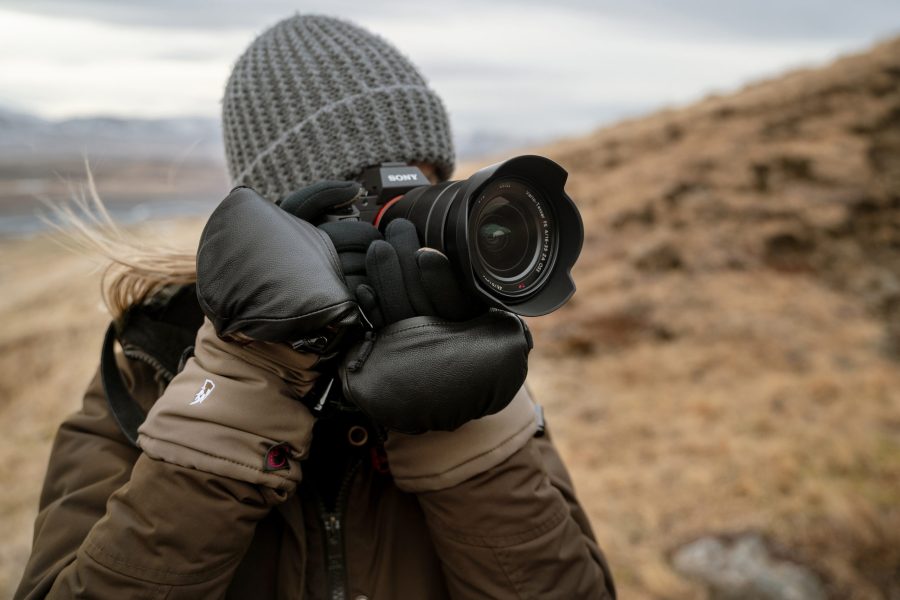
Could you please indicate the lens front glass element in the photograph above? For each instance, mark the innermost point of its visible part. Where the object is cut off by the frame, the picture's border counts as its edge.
(512, 234)
(506, 238)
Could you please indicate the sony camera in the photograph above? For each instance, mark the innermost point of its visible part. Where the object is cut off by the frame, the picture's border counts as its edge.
(510, 229)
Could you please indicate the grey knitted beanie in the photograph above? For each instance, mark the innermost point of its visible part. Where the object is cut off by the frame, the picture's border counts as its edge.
(316, 98)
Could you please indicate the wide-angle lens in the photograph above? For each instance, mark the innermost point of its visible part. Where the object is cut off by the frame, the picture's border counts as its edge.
(506, 240)
(514, 237)
(510, 230)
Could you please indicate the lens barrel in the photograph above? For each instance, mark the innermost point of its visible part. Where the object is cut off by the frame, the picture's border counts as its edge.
(510, 229)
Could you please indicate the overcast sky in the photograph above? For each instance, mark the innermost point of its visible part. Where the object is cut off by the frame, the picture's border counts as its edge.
(516, 67)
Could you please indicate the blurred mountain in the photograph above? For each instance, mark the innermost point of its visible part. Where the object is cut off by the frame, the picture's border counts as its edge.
(144, 167)
(103, 137)
(478, 144)
(194, 138)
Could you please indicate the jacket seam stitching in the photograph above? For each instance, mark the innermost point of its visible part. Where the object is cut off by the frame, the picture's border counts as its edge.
(255, 361)
(503, 541)
(92, 549)
(447, 325)
(499, 556)
(303, 316)
(215, 456)
(497, 552)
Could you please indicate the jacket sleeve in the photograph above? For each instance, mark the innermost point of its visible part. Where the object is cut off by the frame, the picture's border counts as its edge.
(117, 524)
(514, 528)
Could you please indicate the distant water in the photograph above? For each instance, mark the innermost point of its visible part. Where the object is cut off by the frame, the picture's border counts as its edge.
(26, 225)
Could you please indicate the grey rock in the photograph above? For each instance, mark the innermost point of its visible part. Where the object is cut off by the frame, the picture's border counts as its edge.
(744, 569)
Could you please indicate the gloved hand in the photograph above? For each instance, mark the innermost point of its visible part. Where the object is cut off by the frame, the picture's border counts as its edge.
(266, 280)
(406, 281)
(269, 275)
(351, 239)
(429, 364)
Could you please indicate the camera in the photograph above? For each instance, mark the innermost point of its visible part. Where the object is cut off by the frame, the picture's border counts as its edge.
(510, 229)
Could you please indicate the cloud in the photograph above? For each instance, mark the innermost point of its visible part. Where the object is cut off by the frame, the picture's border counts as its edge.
(760, 19)
(198, 14)
(524, 68)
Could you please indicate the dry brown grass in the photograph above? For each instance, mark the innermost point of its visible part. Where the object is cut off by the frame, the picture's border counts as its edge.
(778, 417)
(730, 361)
(728, 364)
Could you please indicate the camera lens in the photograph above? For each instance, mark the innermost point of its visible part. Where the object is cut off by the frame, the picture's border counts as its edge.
(505, 237)
(512, 230)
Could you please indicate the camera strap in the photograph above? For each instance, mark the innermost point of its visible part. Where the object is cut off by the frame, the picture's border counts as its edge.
(159, 332)
(124, 408)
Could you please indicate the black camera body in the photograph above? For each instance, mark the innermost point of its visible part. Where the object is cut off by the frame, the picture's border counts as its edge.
(380, 185)
(510, 229)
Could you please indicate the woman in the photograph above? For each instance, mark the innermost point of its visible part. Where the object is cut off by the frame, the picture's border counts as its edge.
(239, 485)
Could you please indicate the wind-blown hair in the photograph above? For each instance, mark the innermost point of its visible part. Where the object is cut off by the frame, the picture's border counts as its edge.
(134, 269)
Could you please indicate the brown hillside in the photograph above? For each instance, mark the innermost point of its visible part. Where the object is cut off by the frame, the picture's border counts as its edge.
(729, 363)
(798, 175)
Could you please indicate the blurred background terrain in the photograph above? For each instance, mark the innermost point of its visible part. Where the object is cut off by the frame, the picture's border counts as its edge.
(725, 385)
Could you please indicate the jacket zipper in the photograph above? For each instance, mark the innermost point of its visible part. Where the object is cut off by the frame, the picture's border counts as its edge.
(335, 559)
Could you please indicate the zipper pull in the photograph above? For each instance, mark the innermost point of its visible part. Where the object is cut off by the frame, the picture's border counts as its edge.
(332, 524)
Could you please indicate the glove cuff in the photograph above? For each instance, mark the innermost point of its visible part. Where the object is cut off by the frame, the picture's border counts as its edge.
(234, 411)
(437, 460)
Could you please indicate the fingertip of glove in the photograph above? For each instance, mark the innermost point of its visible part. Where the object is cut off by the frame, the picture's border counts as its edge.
(402, 233)
(429, 257)
(380, 249)
(351, 234)
(398, 225)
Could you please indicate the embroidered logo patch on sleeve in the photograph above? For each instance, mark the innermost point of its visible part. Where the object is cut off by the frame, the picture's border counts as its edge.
(205, 390)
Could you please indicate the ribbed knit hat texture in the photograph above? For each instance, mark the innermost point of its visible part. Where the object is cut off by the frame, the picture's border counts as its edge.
(317, 98)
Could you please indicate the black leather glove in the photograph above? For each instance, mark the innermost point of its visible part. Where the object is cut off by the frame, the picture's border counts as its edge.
(351, 239)
(268, 275)
(423, 368)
